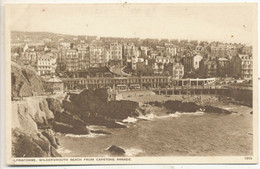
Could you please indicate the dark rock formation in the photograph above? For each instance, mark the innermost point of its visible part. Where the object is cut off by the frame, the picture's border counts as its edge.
(69, 129)
(238, 97)
(211, 109)
(100, 132)
(116, 150)
(54, 105)
(94, 108)
(71, 122)
(156, 103)
(54, 152)
(181, 106)
(48, 133)
(25, 81)
(96, 102)
(175, 105)
(101, 121)
(68, 118)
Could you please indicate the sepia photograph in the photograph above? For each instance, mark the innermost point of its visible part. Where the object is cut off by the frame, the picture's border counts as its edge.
(128, 83)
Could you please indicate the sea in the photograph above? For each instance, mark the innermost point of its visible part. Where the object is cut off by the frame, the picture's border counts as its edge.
(161, 134)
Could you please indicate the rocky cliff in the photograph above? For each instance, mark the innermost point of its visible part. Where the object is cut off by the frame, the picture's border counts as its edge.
(32, 135)
(93, 107)
(25, 81)
(35, 120)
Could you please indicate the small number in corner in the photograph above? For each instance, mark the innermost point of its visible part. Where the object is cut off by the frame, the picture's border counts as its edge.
(248, 158)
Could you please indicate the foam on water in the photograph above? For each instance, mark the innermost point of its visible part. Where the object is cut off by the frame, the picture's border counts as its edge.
(131, 152)
(179, 114)
(63, 151)
(129, 120)
(174, 115)
(149, 116)
(91, 135)
(120, 123)
(227, 108)
(169, 115)
(198, 113)
(95, 127)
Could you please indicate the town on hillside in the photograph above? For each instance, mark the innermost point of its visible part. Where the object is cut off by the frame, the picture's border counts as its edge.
(68, 62)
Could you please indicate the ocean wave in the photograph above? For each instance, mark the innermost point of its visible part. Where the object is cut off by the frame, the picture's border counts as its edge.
(149, 116)
(63, 150)
(198, 113)
(131, 152)
(179, 114)
(120, 123)
(169, 115)
(129, 120)
(152, 116)
(91, 135)
(227, 108)
(95, 127)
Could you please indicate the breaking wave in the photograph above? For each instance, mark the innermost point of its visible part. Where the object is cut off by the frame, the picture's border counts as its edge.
(129, 120)
(131, 152)
(63, 151)
(151, 116)
(91, 135)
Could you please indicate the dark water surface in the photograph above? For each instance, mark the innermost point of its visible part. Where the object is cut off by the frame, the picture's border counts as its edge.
(176, 135)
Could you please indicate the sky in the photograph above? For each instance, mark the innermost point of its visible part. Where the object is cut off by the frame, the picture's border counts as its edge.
(221, 22)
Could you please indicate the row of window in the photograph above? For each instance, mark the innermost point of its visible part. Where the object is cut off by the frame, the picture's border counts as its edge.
(247, 62)
(116, 52)
(44, 63)
(247, 67)
(44, 68)
(118, 81)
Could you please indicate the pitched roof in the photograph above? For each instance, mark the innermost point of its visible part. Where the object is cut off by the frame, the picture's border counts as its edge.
(54, 80)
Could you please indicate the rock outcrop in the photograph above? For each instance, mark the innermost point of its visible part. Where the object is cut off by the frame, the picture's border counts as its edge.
(35, 121)
(115, 150)
(179, 106)
(64, 121)
(32, 134)
(94, 108)
(31, 114)
(26, 144)
(25, 81)
(211, 109)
